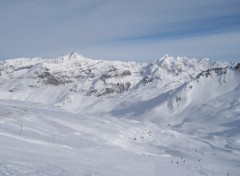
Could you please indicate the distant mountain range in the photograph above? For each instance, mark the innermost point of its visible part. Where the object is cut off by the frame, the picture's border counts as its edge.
(34, 79)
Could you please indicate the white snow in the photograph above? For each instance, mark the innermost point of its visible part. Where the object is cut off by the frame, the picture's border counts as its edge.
(169, 122)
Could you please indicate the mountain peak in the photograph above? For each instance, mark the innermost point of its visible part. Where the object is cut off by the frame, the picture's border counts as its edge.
(162, 59)
(73, 56)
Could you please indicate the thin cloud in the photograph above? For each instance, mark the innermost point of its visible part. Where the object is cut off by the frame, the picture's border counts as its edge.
(104, 28)
(193, 28)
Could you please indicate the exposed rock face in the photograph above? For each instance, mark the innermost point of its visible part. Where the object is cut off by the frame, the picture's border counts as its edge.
(237, 67)
(218, 71)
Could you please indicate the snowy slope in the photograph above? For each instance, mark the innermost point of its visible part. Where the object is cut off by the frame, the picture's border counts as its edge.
(77, 116)
(40, 140)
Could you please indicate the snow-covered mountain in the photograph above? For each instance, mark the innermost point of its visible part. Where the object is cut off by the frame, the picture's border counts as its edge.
(78, 116)
(38, 79)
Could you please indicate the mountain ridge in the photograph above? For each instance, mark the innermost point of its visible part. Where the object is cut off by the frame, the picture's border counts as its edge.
(36, 79)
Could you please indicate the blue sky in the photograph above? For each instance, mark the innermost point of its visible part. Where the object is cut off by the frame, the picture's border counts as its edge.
(139, 30)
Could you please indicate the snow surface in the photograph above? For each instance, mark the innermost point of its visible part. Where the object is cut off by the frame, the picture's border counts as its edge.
(179, 116)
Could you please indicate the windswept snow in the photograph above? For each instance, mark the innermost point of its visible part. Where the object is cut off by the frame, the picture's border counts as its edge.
(77, 116)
